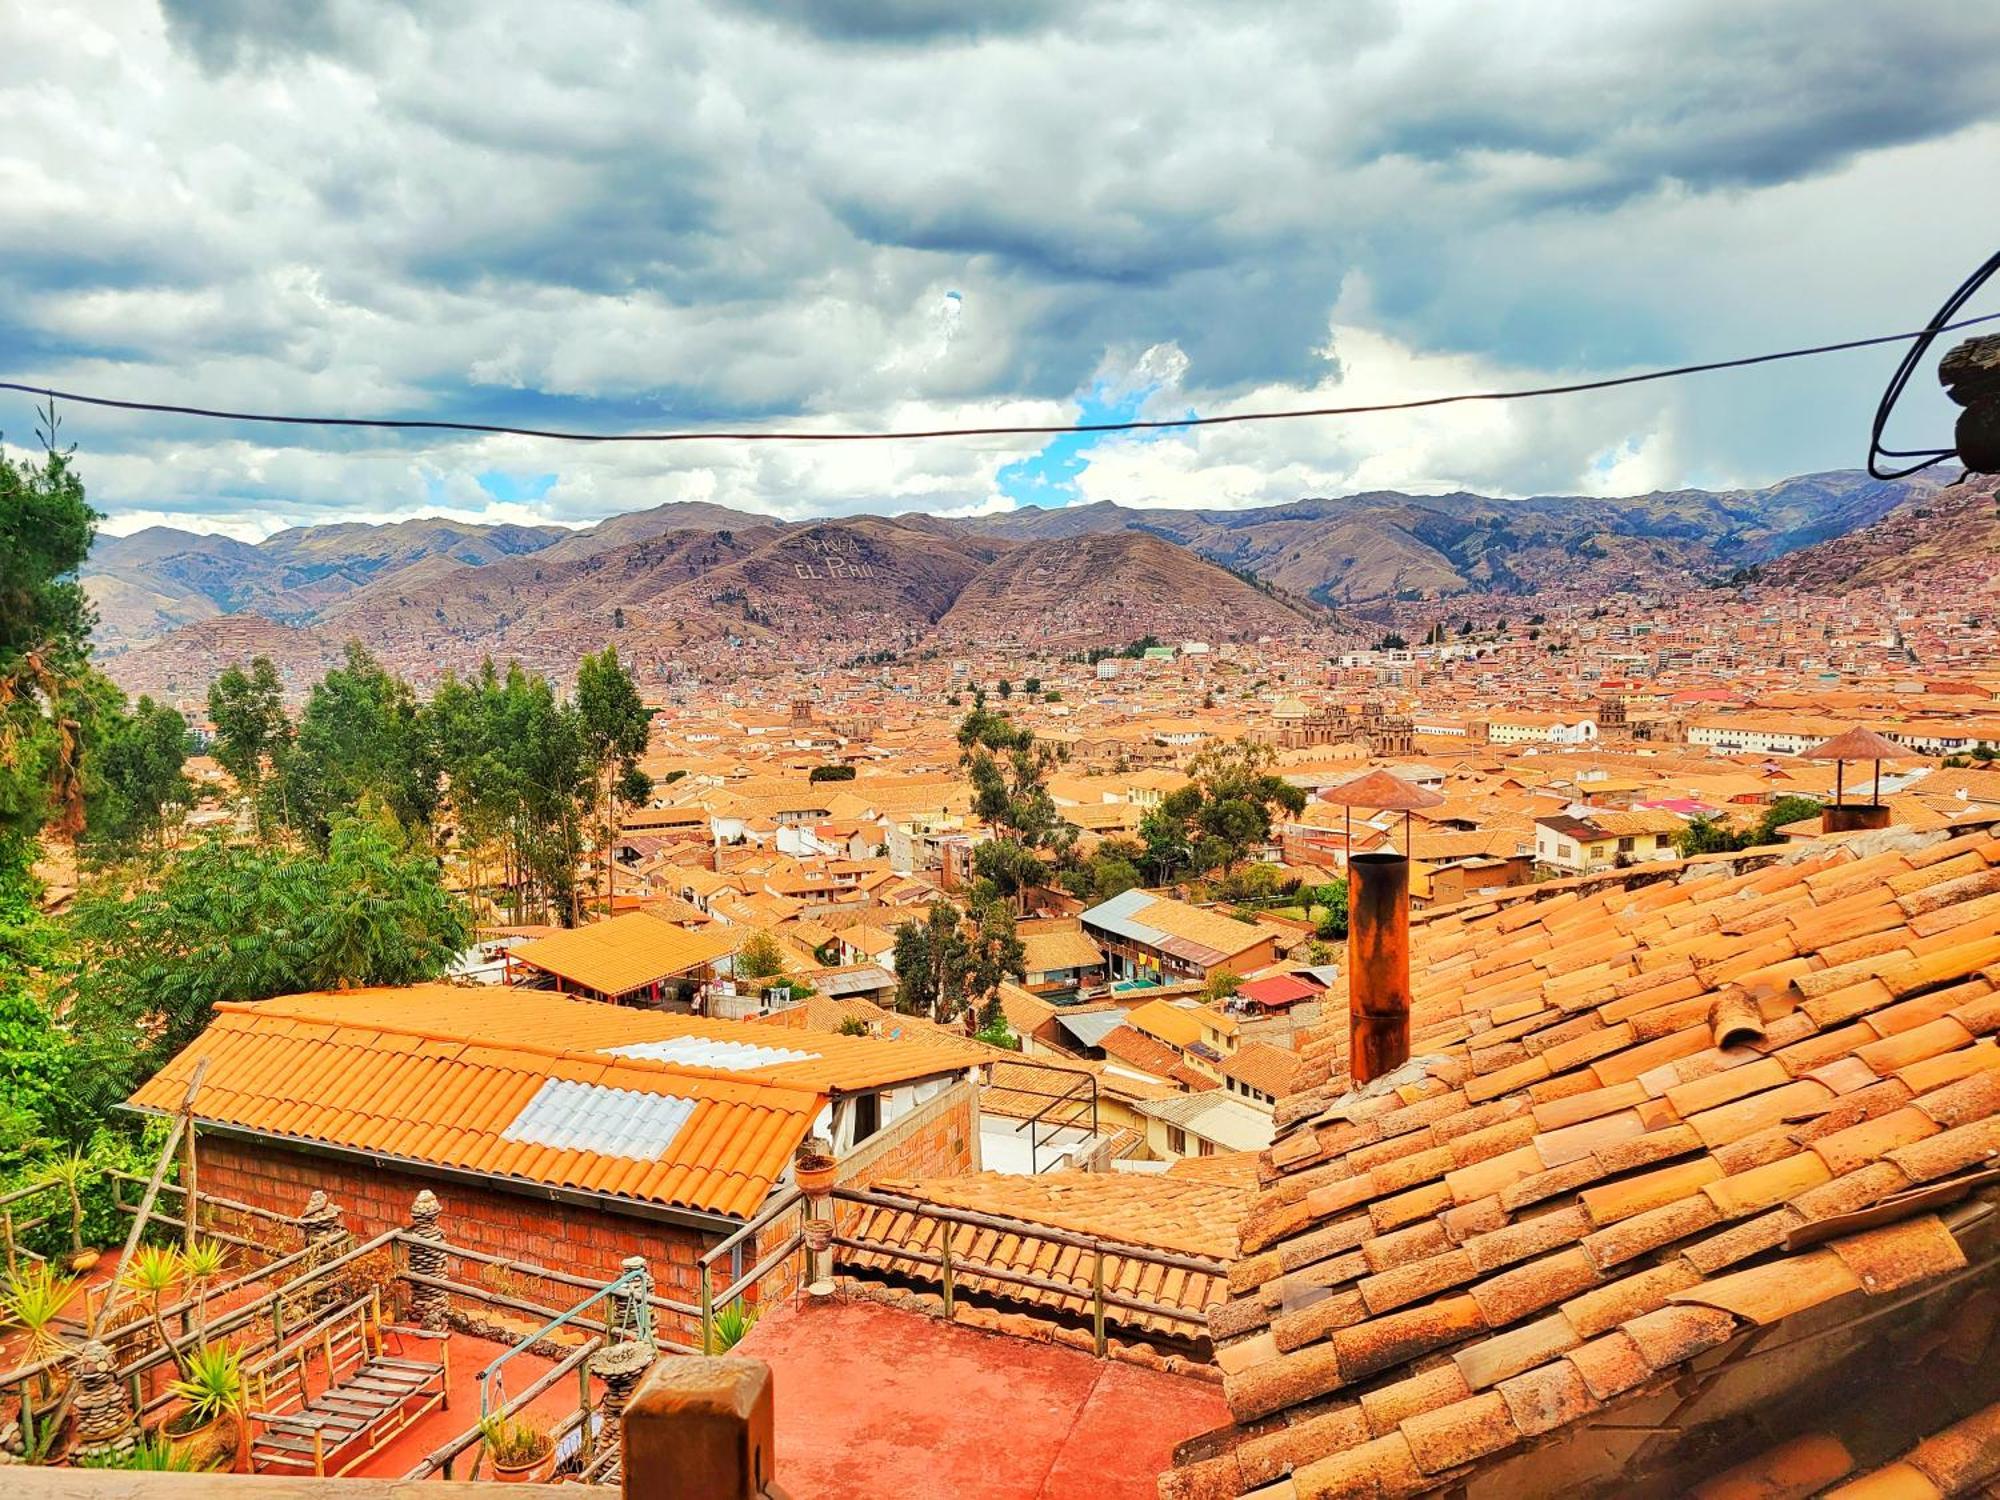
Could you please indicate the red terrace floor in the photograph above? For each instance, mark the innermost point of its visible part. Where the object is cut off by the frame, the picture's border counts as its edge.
(874, 1401)
(469, 1356)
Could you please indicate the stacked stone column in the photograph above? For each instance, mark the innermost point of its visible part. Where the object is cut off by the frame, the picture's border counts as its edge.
(429, 1305)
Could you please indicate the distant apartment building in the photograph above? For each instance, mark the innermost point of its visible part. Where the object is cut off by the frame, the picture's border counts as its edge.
(1164, 941)
(1602, 840)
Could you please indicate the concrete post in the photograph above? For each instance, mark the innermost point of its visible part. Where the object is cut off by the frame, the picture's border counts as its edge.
(429, 1305)
(700, 1426)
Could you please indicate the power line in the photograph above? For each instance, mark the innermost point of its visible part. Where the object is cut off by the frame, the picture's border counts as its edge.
(1924, 457)
(794, 435)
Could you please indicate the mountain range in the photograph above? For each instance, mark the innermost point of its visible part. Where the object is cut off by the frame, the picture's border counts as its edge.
(683, 575)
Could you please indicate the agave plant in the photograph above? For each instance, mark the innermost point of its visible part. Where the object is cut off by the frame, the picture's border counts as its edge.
(153, 1272)
(729, 1325)
(73, 1171)
(201, 1263)
(32, 1298)
(151, 1457)
(211, 1383)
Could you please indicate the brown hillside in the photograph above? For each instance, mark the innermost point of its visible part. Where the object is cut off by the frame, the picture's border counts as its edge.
(1113, 588)
(1940, 535)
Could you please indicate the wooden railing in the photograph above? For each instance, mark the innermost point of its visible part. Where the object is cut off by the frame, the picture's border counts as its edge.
(785, 1202)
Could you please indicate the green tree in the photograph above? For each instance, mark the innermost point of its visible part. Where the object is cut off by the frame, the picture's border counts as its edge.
(248, 711)
(362, 734)
(156, 951)
(1031, 685)
(760, 957)
(1009, 775)
(616, 728)
(1709, 835)
(1331, 899)
(136, 786)
(1785, 810)
(46, 527)
(1226, 810)
(994, 954)
(830, 773)
(931, 961)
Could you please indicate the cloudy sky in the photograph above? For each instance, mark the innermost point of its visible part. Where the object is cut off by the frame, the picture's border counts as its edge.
(858, 213)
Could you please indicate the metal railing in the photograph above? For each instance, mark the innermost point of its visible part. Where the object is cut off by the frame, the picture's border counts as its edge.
(1084, 1084)
(783, 1203)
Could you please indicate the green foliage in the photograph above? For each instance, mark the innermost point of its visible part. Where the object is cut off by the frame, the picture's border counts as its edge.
(760, 957)
(729, 1325)
(1331, 899)
(518, 762)
(1784, 811)
(853, 1026)
(32, 1297)
(945, 970)
(248, 711)
(363, 735)
(157, 950)
(46, 527)
(1031, 685)
(616, 728)
(136, 790)
(211, 1382)
(1221, 985)
(157, 1456)
(1709, 835)
(1218, 818)
(830, 773)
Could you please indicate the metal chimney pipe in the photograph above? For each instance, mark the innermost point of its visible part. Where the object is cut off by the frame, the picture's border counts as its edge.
(1378, 965)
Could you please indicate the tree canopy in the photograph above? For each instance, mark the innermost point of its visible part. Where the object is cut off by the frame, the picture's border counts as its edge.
(1224, 812)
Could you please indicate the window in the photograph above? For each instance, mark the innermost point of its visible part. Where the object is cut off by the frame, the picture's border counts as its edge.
(1625, 846)
(1177, 1140)
(1207, 1147)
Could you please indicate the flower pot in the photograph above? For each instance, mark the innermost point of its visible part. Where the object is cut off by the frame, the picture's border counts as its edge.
(82, 1260)
(819, 1234)
(815, 1175)
(532, 1472)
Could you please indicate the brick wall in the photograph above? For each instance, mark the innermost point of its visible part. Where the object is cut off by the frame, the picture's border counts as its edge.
(939, 1138)
(568, 1237)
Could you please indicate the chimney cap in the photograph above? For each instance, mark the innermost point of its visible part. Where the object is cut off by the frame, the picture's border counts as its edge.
(1381, 791)
(1858, 743)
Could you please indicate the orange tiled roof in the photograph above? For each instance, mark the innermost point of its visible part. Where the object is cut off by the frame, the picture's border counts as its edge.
(443, 1075)
(1576, 1187)
(1183, 1215)
(625, 953)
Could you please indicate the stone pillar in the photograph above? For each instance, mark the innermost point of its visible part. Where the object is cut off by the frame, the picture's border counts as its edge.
(326, 1237)
(104, 1420)
(429, 1305)
(630, 1315)
(700, 1426)
(620, 1367)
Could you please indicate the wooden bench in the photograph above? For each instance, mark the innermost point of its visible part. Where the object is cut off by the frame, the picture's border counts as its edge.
(367, 1393)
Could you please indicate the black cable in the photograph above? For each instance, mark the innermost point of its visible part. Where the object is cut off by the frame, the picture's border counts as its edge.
(1901, 379)
(797, 436)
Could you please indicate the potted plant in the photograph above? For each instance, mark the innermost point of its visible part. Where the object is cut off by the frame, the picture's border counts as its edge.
(153, 1272)
(813, 1166)
(211, 1383)
(201, 1263)
(72, 1172)
(520, 1451)
(32, 1298)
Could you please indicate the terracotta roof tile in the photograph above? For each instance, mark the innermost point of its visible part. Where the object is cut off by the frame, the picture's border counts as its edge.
(1618, 1182)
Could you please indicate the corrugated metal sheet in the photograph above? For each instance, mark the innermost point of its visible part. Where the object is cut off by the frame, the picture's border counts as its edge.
(706, 1052)
(589, 1117)
(1092, 1026)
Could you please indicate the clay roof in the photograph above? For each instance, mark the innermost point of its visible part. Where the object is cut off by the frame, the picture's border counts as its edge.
(1141, 1051)
(1382, 790)
(1643, 1118)
(625, 953)
(1186, 1216)
(1267, 1069)
(636, 1104)
(1858, 743)
(1062, 949)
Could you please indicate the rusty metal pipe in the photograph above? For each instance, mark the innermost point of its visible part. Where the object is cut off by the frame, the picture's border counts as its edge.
(1378, 965)
(1849, 817)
